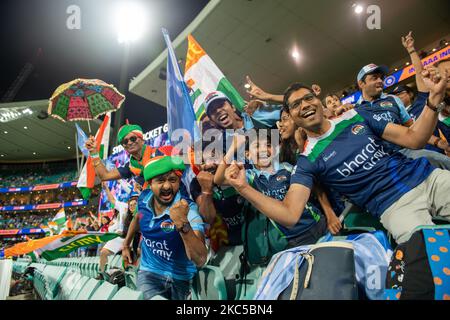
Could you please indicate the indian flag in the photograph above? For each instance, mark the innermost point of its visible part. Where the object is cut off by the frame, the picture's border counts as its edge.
(87, 180)
(202, 76)
(59, 246)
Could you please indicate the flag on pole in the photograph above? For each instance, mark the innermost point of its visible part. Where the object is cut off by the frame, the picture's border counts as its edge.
(86, 181)
(59, 246)
(81, 137)
(180, 112)
(202, 76)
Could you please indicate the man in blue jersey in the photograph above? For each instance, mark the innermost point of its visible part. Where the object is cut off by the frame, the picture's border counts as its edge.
(172, 245)
(348, 155)
(381, 107)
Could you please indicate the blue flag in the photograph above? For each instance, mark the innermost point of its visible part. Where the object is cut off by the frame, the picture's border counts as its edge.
(180, 111)
(81, 137)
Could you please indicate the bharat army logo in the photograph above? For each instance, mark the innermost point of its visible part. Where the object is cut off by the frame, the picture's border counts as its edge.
(358, 129)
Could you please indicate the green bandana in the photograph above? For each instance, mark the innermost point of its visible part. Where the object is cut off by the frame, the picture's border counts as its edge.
(161, 165)
(127, 129)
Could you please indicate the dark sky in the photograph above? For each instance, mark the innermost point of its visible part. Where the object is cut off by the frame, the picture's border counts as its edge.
(32, 26)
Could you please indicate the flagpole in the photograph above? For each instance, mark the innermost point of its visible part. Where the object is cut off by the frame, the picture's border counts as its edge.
(76, 148)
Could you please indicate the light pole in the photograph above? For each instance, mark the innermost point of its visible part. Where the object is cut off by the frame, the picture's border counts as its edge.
(130, 23)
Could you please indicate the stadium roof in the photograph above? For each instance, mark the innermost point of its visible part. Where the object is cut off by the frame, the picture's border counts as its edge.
(255, 38)
(25, 133)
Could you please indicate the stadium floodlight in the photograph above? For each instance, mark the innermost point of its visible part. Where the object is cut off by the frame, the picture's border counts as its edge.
(130, 20)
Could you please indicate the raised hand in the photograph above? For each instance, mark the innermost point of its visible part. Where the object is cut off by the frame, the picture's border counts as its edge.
(91, 145)
(178, 213)
(316, 89)
(436, 83)
(206, 181)
(252, 106)
(408, 42)
(256, 92)
(235, 176)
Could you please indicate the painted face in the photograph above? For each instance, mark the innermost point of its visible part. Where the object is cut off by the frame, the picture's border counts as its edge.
(305, 109)
(373, 85)
(287, 126)
(165, 187)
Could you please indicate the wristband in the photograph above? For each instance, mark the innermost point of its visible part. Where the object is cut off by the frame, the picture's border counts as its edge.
(411, 52)
(95, 155)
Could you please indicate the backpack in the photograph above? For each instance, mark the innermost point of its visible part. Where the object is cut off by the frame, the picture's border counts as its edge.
(420, 267)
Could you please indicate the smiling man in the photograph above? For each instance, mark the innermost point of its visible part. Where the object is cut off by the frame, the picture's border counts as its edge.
(375, 105)
(348, 155)
(131, 137)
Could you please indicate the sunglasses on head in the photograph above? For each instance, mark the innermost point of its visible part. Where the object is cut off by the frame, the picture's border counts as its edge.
(132, 139)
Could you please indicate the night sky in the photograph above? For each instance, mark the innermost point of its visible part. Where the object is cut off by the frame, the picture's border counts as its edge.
(35, 31)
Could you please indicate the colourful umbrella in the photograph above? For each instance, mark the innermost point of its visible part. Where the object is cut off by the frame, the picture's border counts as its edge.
(84, 99)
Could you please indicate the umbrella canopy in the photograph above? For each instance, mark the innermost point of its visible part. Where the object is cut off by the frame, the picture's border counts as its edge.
(84, 99)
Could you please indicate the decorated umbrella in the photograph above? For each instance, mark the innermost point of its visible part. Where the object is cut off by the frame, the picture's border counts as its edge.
(84, 99)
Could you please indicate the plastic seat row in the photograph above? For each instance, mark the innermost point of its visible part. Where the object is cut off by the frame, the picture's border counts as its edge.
(62, 283)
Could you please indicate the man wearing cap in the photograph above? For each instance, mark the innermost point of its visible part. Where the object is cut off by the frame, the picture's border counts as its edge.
(375, 105)
(172, 245)
(131, 137)
(224, 114)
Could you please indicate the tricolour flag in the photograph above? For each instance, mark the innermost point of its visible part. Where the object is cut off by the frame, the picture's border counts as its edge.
(202, 76)
(86, 181)
(59, 246)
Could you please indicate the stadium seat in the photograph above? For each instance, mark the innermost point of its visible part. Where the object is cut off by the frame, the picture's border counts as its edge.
(105, 291)
(127, 294)
(67, 284)
(53, 276)
(246, 288)
(77, 287)
(88, 289)
(209, 284)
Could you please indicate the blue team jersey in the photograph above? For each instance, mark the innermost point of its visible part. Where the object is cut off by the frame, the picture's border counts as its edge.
(162, 248)
(352, 159)
(386, 109)
(276, 186)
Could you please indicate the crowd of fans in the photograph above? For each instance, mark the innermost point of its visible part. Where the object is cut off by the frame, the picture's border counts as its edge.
(40, 197)
(35, 174)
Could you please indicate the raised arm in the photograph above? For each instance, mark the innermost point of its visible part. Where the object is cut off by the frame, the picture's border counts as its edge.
(194, 242)
(286, 212)
(205, 199)
(99, 167)
(256, 92)
(110, 196)
(408, 43)
(417, 136)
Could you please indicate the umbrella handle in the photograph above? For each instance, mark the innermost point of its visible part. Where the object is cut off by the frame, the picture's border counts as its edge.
(89, 127)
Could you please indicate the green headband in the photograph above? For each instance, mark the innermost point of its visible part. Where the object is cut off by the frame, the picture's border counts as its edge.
(162, 165)
(127, 129)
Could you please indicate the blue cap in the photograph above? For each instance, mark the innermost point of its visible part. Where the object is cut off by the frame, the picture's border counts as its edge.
(133, 194)
(401, 88)
(371, 68)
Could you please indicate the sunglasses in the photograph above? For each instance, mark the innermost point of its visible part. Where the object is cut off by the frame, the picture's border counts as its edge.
(132, 139)
(297, 103)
